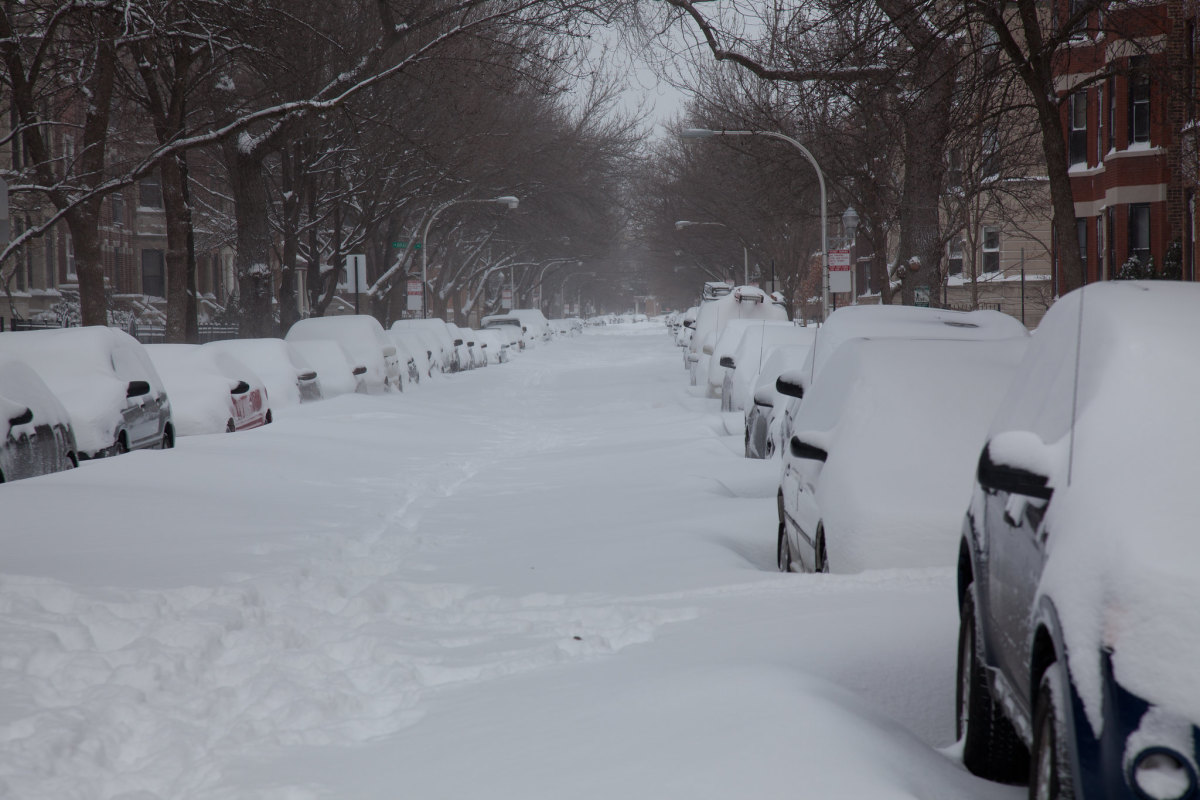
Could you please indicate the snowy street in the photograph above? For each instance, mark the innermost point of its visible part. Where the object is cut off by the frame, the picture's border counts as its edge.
(553, 578)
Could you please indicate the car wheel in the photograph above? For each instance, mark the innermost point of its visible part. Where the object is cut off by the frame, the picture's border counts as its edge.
(1050, 773)
(820, 559)
(783, 551)
(268, 419)
(748, 443)
(991, 748)
(122, 445)
(229, 426)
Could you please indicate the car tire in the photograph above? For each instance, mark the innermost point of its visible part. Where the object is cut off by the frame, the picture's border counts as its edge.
(820, 557)
(229, 426)
(991, 747)
(267, 420)
(1050, 767)
(783, 550)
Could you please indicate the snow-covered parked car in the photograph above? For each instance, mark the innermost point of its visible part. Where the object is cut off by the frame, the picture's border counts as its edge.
(288, 376)
(470, 354)
(878, 465)
(364, 338)
(1077, 589)
(722, 364)
(419, 348)
(37, 429)
(211, 390)
(744, 302)
(750, 357)
(337, 370)
(764, 412)
(447, 353)
(106, 382)
(495, 346)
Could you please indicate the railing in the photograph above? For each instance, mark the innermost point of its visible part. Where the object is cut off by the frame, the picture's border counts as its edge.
(146, 334)
(967, 307)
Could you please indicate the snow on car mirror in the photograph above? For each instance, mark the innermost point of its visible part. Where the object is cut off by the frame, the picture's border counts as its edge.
(137, 389)
(790, 384)
(765, 397)
(803, 449)
(1016, 462)
(360, 370)
(458, 342)
(24, 418)
(727, 362)
(241, 388)
(689, 323)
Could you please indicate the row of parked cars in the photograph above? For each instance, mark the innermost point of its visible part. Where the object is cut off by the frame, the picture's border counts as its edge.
(72, 394)
(1055, 472)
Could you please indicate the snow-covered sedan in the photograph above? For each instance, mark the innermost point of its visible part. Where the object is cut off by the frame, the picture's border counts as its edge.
(213, 392)
(878, 463)
(1079, 605)
(106, 382)
(37, 429)
(366, 340)
(288, 376)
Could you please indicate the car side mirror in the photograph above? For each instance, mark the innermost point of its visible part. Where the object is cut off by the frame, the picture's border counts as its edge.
(790, 384)
(389, 351)
(241, 388)
(1016, 463)
(360, 370)
(137, 389)
(24, 418)
(764, 397)
(727, 362)
(803, 449)
(689, 323)
(306, 376)
(458, 342)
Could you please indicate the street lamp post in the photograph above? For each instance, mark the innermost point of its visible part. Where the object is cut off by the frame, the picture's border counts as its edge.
(705, 133)
(850, 228)
(562, 287)
(687, 223)
(507, 200)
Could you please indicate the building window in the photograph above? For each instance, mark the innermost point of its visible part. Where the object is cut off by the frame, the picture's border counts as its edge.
(954, 171)
(118, 209)
(1101, 267)
(991, 249)
(1112, 115)
(153, 279)
(955, 266)
(1100, 124)
(990, 162)
(1077, 140)
(1139, 101)
(69, 249)
(1139, 232)
(1081, 237)
(150, 193)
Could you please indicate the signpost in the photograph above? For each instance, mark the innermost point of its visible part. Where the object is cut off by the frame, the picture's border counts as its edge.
(414, 294)
(506, 298)
(921, 296)
(839, 272)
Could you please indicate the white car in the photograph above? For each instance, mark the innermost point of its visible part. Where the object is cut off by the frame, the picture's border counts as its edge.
(289, 378)
(366, 340)
(211, 390)
(764, 412)
(878, 466)
(495, 346)
(437, 328)
(722, 363)
(37, 435)
(744, 302)
(750, 358)
(106, 382)
(338, 371)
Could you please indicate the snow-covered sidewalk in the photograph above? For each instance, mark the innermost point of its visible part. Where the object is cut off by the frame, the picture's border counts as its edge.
(552, 578)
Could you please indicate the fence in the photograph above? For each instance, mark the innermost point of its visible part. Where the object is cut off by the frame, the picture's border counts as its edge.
(146, 334)
(967, 307)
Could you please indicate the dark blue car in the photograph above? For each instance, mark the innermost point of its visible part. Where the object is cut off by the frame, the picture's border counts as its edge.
(1078, 568)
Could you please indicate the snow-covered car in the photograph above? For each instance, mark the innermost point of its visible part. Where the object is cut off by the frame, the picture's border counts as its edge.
(878, 465)
(744, 302)
(37, 429)
(683, 332)
(448, 354)
(410, 370)
(507, 324)
(106, 382)
(722, 364)
(211, 390)
(510, 336)
(470, 351)
(762, 421)
(495, 346)
(419, 349)
(533, 322)
(288, 376)
(1077, 589)
(366, 340)
(750, 357)
(338, 371)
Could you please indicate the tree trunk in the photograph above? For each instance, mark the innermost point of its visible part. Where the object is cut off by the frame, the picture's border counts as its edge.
(178, 219)
(82, 222)
(253, 260)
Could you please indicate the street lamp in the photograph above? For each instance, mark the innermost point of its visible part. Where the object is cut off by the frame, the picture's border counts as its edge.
(508, 201)
(705, 133)
(687, 223)
(850, 228)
